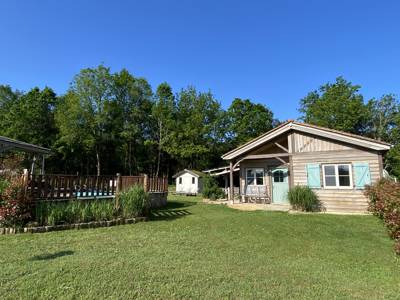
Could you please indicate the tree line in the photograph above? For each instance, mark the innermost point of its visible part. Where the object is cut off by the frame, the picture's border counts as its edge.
(115, 122)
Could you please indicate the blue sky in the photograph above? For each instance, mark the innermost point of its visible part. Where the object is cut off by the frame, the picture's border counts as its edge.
(272, 52)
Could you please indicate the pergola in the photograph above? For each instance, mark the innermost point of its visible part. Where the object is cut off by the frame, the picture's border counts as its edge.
(7, 144)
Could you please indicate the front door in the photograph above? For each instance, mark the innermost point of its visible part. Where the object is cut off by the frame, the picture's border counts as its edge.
(280, 186)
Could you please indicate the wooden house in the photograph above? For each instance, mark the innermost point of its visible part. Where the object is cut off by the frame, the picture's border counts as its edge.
(335, 164)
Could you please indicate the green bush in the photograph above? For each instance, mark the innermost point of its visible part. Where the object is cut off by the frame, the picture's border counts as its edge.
(3, 185)
(384, 202)
(134, 202)
(211, 190)
(303, 198)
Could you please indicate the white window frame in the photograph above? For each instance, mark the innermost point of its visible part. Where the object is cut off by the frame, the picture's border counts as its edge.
(193, 180)
(255, 178)
(337, 186)
(180, 180)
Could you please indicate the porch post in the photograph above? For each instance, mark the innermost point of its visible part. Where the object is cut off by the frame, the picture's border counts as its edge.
(291, 151)
(231, 192)
(42, 169)
(226, 184)
(33, 164)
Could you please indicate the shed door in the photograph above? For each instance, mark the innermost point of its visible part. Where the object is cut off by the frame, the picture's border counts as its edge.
(280, 186)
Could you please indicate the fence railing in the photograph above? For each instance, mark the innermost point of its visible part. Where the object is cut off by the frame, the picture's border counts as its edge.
(58, 187)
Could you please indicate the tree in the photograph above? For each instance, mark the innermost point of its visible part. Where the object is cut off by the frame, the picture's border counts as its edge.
(247, 120)
(84, 115)
(196, 117)
(383, 114)
(163, 113)
(29, 117)
(134, 100)
(338, 106)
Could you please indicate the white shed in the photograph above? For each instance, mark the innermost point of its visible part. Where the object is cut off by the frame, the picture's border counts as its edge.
(189, 182)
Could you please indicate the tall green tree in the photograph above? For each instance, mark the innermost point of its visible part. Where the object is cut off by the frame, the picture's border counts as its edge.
(337, 105)
(134, 100)
(196, 117)
(87, 107)
(384, 124)
(29, 117)
(383, 115)
(163, 114)
(247, 120)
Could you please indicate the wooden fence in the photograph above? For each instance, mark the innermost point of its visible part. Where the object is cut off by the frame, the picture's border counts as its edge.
(59, 187)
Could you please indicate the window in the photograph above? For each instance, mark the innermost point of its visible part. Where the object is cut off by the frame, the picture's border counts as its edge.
(255, 176)
(279, 176)
(193, 180)
(180, 180)
(337, 176)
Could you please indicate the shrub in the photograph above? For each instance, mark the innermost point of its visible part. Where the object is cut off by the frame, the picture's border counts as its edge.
(303, 198)
(397, 247)
(15, 206)
(384, 202)
(134, 202)
(211, 190)
(3, 185)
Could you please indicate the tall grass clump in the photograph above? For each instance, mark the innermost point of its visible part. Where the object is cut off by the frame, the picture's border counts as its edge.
(211, 190)
(303, 198)
(74, 211)
(134, 202)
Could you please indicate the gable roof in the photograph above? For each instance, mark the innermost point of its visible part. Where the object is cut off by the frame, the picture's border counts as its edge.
(312, 129)
(192, 172)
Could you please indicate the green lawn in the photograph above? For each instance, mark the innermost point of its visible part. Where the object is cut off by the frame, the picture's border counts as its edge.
(194, 250)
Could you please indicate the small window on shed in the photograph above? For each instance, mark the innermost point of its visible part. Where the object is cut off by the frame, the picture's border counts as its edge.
(180, 180)
(193, 180)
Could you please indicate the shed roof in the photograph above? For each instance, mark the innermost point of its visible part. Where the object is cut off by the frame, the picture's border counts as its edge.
(308, 128)
(192, 172)
(8, 144)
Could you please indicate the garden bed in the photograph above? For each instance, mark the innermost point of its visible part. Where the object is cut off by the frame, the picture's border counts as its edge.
(95, 224)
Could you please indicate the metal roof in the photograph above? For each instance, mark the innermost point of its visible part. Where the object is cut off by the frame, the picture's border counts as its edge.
(9, 144)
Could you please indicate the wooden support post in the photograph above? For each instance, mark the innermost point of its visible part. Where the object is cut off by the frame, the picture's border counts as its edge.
(118, 186)
(146, 182)
(33, 164)
(291, 149)
(282, 147)
(118, 189)
(226, 185)
(231, 191)
(42, 169)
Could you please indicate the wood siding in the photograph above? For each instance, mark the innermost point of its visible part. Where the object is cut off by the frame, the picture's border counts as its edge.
(309, 143)
(345, 200)
(305, 149)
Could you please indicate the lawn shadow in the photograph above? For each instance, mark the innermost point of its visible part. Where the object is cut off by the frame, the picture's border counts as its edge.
(49, 256)
(168, 215)
(178, 204)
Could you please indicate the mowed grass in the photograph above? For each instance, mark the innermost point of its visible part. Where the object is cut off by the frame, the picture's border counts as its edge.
(195, 250)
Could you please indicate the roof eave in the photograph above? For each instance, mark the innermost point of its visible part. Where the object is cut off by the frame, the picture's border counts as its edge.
(366, 143)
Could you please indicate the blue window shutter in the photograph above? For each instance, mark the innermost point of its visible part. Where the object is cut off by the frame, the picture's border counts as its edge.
(313, 176)
(362, 175)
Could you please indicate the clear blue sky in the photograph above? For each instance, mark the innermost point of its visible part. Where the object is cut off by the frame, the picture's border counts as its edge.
(273, 52)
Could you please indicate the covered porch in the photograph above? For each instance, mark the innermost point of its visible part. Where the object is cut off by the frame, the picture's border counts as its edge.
(265, 171)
